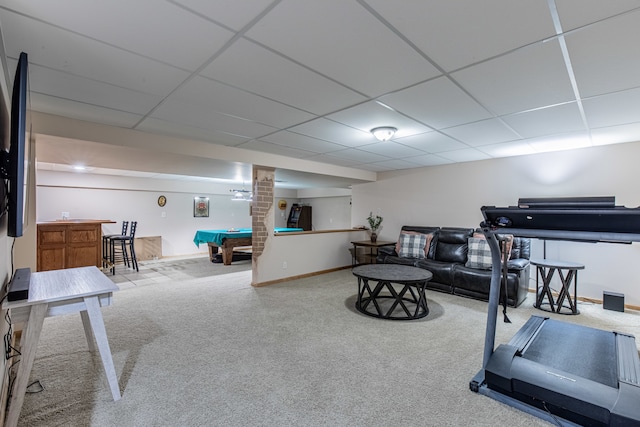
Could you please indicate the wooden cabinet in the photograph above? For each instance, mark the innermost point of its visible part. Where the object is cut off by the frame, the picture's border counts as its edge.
(68, 244)
(148, 247)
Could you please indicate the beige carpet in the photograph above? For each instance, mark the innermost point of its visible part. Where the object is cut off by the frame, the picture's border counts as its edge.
(216, 352)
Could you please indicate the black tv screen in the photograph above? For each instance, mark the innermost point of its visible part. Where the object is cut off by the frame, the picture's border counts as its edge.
(13, 162)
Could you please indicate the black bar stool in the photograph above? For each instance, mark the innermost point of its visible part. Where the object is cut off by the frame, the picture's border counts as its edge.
(122, 247)
(106, 254)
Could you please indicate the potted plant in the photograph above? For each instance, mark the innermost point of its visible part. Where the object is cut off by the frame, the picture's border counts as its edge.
(374, 224)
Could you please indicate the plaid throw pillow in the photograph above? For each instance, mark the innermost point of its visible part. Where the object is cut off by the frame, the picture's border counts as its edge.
(412, 245)
(479, 255)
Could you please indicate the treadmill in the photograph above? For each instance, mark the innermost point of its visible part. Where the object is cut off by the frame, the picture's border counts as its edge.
(564, 373)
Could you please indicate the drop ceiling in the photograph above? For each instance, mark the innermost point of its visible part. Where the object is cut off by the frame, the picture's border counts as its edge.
(308, 79)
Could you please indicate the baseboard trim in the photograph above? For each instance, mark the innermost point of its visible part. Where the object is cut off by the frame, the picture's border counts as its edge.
(300, 276)
(594, 301)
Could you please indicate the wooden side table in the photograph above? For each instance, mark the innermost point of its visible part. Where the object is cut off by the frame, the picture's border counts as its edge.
(545, 269)
(373, 250)
(56, 292)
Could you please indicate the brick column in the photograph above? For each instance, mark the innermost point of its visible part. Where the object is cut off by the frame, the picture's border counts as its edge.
(262, 218)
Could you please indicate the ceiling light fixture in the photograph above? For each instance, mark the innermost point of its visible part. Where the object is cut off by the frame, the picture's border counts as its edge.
(242, 195)
(383, 133)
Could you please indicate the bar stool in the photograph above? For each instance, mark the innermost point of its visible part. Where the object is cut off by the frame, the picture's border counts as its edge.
(106, 257)
(118, 245)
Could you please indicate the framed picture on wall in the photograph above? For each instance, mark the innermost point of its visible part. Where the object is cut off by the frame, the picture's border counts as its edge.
(200, 206)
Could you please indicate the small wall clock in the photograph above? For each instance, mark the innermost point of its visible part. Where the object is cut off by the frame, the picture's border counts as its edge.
(162, 200)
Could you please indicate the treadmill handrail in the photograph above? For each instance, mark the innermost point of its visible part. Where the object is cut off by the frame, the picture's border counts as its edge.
(496, 265)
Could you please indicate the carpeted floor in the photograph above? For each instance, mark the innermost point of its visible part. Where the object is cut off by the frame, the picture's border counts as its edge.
(214, 351)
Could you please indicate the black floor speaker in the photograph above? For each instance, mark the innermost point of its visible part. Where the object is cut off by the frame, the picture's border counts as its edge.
(613, 301)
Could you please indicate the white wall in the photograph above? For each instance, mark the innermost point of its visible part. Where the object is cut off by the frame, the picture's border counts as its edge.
(300, 254)
(452, 196)
(121, 198)
(329, 213)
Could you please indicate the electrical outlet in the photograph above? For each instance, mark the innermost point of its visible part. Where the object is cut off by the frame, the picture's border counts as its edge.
(163, 214)
(65, 215)
(284, 265)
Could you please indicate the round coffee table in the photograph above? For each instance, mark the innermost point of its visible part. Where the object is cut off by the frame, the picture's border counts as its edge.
(404, 302)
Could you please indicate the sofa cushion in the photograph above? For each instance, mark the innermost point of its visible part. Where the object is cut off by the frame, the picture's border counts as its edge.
(424, 230)
(518, 247)
(401, 241)
(452, 244)
(411, 245)
(479, 255)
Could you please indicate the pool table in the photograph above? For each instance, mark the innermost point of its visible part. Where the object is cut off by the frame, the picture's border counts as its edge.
(226, 240)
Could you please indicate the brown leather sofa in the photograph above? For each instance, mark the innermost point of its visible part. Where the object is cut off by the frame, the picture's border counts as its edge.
(447, 261)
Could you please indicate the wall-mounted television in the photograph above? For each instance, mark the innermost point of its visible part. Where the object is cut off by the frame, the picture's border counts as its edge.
(12, 163)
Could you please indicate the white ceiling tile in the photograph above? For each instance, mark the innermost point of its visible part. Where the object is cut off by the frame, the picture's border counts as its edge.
(465, 155)
(343, 41)
(165, 127)
(431, 160)
(63, 51)
(334, 132)
(74, 88)
(334, 160)
(431, 142)
(143, 26)
(392, 149)
(302, 142)
(614, 43)
(484, 132)
(545, 121)
(231, 13)
(267, 147)
(562, 142)
(359, 155)
(613, 109)
(456, 33)
(371, 115)
(508, 149)
(616, 134)
(260, 71)
(81, 111)
(438, 103)
(576, 13)
(179, 112)
(389, 165)
(214, 96)
(522, 80)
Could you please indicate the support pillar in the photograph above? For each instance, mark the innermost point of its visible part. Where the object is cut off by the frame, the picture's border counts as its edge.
(262, 217)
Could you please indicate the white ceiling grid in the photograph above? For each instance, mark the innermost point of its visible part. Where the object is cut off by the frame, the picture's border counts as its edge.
(308, 79)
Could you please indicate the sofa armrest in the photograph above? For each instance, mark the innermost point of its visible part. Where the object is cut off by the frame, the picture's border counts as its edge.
(387, 251)
(517, 264)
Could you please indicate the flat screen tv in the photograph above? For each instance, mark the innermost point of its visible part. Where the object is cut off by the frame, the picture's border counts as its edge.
(12, 163)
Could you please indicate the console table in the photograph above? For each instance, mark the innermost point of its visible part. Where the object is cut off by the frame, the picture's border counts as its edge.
(409, 301)
(53, 293)
(545, 269)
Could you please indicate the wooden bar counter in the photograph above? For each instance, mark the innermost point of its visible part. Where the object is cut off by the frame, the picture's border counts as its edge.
(70, 243)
